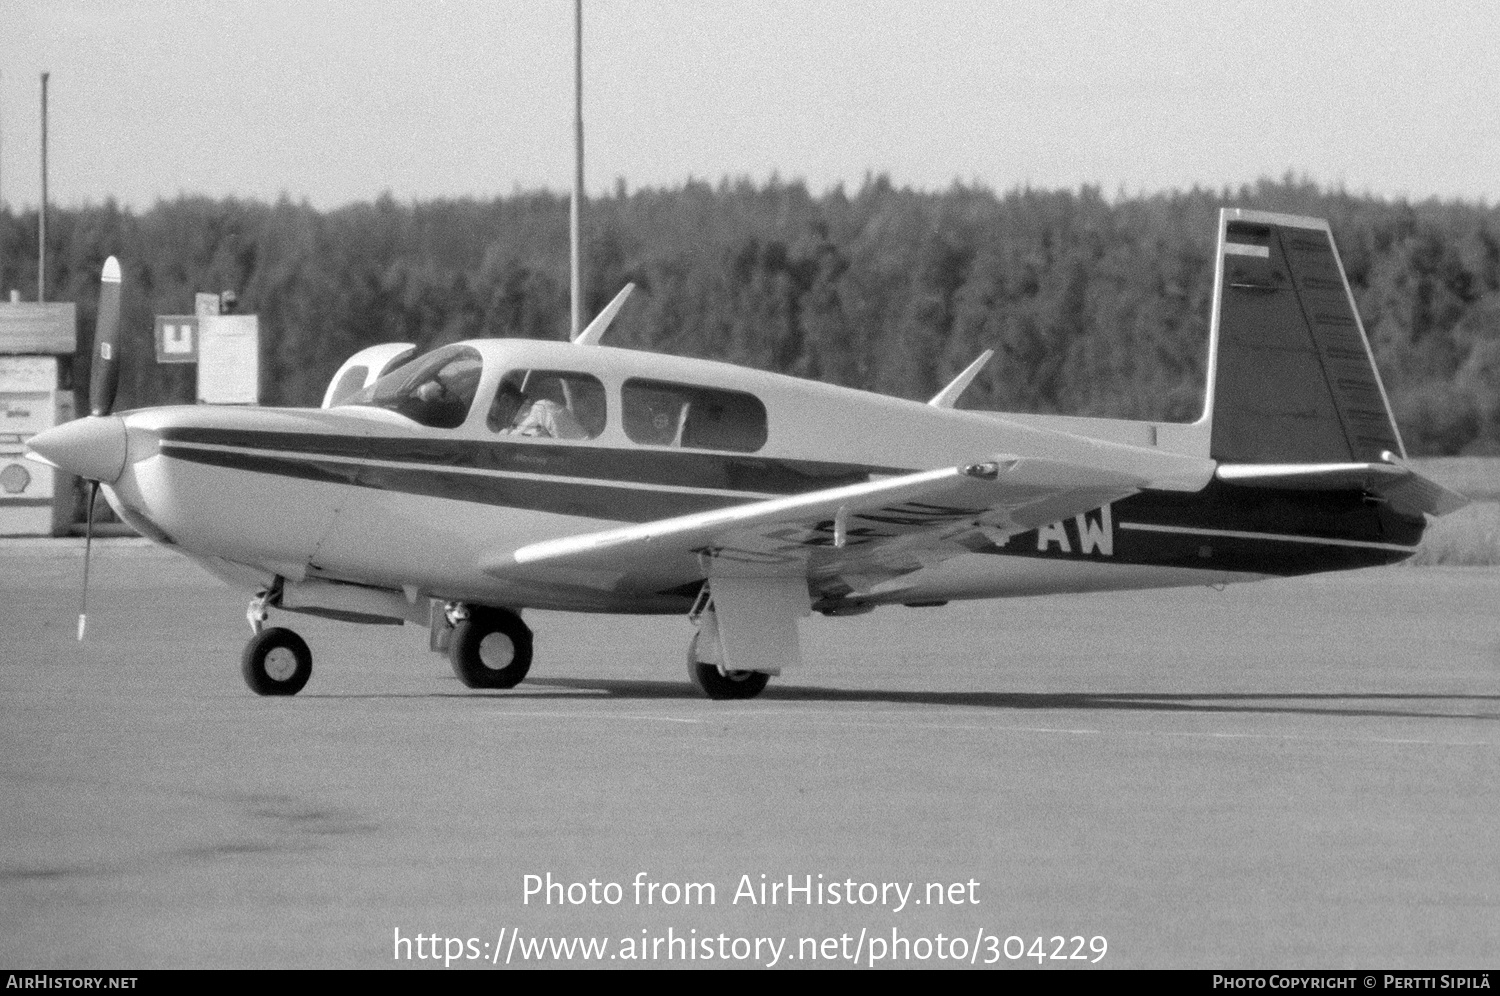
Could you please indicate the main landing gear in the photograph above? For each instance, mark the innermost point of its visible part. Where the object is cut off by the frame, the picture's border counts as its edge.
(705, 657)
(717, 683)
(489, 648)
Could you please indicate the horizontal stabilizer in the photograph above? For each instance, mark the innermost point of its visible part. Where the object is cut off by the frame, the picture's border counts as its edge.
(1403, 488)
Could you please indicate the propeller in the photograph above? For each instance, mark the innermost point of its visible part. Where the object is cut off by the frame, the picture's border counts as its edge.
(104, 384)
(88, 543)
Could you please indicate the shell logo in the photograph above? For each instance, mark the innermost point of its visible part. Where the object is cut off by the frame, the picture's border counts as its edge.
(14, 479)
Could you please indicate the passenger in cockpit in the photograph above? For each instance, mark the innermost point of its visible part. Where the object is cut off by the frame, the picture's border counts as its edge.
(516, 413)
(548, 418)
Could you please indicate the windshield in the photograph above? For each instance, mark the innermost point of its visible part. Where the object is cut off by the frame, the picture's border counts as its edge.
(435, 390)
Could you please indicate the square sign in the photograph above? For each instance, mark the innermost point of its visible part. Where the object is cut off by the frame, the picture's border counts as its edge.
(29, 329)
(176, 338)
(229, 359)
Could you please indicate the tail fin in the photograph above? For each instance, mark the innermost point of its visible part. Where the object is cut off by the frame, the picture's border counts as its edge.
(1294, 400)
(1291, 378)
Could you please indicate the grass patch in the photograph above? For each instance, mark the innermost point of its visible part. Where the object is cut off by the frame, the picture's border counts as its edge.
(1469, 537)
(1477, 477)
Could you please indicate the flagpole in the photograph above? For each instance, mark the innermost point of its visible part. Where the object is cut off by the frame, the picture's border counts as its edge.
(577, 208)
(41, 224)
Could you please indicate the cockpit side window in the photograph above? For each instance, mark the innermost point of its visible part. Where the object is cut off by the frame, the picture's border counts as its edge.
(661, 413)
(436, 390)
(550, 404)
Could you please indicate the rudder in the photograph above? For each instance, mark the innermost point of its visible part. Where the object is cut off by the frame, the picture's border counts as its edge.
(1291, 375)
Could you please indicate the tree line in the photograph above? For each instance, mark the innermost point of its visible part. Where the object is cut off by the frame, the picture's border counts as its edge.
(1094, 305)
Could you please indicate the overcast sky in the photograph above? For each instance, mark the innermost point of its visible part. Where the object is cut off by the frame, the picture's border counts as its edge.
(339, 101)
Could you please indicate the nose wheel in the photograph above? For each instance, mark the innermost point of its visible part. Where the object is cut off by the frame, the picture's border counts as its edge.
(276, 662)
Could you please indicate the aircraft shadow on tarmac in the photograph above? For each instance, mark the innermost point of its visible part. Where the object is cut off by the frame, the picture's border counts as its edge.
(1385, 704)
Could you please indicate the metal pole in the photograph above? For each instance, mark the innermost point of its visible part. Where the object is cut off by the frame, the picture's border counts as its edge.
(2, 189)
(577, 209)
(41, 224)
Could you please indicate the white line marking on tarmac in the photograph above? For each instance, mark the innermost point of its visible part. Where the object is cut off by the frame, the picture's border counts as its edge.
(530, 713)
(1191, 734)
(837, 720)
(842, 719)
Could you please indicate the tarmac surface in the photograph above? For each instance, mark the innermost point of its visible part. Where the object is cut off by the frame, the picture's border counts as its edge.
(1285, 774)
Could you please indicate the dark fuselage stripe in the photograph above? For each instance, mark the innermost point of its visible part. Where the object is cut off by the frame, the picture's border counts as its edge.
(675, 468)
(1273, 537)
(1223, 527)
(1237, 529)
(590, 499)
(357, 464)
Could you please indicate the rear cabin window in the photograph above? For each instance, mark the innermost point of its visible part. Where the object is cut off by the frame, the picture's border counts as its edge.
(435, 390)
(661, 413)
(550, 404)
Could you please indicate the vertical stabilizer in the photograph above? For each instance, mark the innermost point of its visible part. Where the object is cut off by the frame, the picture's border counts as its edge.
(1291, 376)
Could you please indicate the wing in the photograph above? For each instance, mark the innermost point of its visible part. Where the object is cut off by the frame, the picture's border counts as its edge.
(841, 540)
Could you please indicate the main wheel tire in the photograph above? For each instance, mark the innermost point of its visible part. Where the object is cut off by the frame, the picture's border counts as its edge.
(721, 685)
(276, 661)
(491, 649)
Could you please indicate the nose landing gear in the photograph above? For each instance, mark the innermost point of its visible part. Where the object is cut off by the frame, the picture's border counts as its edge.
(276, 662)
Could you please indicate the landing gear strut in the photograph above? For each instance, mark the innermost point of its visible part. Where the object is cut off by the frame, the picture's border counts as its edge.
(490, 648)
(256, 615)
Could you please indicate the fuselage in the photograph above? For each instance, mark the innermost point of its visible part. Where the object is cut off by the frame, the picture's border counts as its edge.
(417, 494)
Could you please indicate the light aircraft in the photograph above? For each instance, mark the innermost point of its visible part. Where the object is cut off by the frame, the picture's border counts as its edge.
(457, 489)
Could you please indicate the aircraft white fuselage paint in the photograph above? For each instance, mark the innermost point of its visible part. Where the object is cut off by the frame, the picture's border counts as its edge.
(498, 475)
(250, 525)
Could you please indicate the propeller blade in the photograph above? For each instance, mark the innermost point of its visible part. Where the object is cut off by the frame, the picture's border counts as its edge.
(88, 544)
(105, 380)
